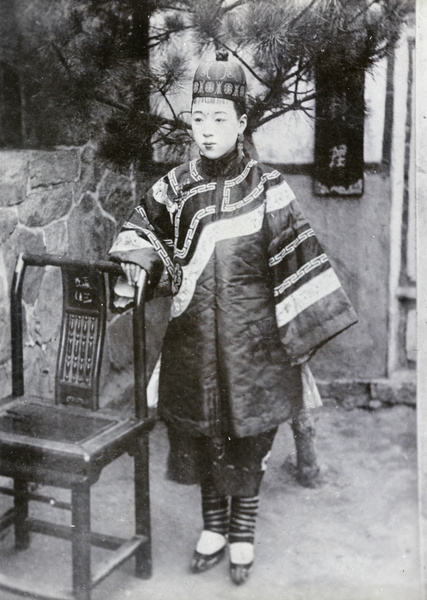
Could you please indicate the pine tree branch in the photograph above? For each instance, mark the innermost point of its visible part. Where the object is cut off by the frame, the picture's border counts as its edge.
(244, 63)
(296, 105)
(166, 99)
(178, 124)
(302, 13)
(231, 7)
(94, 95)
(108, 102)
(362, 11)
(177, 8)
(156, 40)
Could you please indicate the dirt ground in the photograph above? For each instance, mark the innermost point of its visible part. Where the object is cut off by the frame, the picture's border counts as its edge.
(354, 537)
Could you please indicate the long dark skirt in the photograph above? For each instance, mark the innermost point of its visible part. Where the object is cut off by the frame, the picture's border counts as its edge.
(235, 465)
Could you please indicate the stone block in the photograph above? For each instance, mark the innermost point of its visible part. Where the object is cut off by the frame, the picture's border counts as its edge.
(350, 401)
(348, 394)
(39, 370)
(90, 233)
(5, 379)
(50, 168)
(4, 287)
(395, 390)
(56, 237)
(8, 222)
(341, 388)
(4, 334)
(24, 240)
(46, 205)
(88, 173)
(375, 404)
(13, 177)
(48, 309)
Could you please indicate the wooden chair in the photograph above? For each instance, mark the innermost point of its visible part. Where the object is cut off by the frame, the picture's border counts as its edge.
(67, 444)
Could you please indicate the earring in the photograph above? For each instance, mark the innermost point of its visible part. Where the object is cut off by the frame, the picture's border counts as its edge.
(240, 142)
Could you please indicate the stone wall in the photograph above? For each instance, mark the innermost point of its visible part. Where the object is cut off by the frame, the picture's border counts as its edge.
(63, 202)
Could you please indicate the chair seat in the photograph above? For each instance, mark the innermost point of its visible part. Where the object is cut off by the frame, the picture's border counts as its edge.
(60, 445)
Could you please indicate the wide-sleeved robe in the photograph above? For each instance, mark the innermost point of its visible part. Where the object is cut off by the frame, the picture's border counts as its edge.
(254, 293)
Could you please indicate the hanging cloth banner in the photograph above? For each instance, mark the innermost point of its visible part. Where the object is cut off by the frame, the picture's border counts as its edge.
(340, 116)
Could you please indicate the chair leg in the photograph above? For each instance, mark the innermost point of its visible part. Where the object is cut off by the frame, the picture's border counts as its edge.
(81, 549)
(143, 559)
(22, 534)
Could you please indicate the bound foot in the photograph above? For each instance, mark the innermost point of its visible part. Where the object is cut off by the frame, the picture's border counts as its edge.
(210, 550)
(241, 561)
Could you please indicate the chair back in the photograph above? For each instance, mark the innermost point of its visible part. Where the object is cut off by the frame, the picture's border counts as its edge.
(82, 337)
(82, 331)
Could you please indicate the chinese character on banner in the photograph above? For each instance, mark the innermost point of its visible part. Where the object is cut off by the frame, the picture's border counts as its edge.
(340, 115)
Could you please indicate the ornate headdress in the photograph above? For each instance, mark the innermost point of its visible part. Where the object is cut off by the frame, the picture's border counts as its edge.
(220, 78)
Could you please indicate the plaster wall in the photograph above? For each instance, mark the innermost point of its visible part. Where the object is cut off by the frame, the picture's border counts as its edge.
(355, 235)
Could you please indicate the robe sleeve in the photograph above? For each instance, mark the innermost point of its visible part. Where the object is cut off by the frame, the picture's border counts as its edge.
(311, 306)
(146, 239)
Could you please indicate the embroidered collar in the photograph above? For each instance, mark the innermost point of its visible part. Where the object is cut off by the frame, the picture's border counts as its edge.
(225, 166)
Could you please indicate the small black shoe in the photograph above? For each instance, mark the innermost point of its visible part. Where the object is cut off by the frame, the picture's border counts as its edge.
(202, 562)
(240, 573)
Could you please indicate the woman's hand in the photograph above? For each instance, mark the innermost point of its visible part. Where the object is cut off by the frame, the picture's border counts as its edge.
(132, 272)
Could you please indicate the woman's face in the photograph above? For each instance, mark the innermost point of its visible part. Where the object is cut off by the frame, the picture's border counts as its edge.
(216, 126)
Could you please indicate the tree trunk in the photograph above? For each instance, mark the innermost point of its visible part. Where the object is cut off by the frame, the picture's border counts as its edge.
(307, 469)
(141, 11)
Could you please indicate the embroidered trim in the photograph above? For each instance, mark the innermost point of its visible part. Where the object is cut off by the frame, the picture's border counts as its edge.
(304, 235)
(193, 170)
(206, 187)
(141, 211)
(257, 191)
(309, 266)
(231, 183)
(197, 217)
(308, 294)
(279, 197)
(158, 247)
(173, 180)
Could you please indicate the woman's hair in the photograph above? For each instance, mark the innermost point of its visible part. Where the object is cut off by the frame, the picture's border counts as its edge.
(239, 106)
